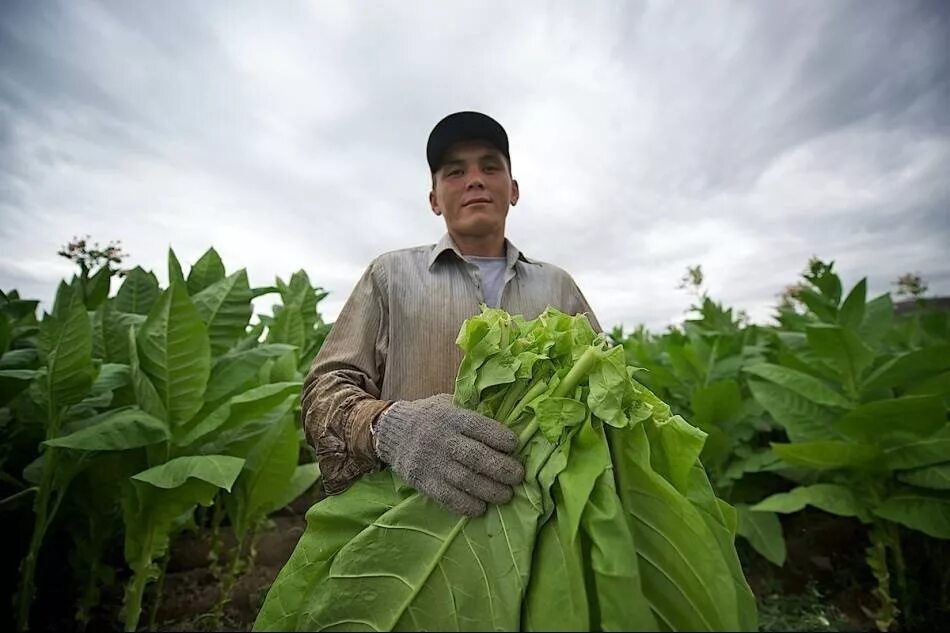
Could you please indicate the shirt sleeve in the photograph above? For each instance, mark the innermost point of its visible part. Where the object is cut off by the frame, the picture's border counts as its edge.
(341, 392)
(579, 305)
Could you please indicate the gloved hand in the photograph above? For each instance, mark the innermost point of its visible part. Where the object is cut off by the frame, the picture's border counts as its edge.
(459, 458)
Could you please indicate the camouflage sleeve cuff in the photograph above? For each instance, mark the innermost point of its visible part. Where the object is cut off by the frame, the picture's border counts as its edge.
(348, 453)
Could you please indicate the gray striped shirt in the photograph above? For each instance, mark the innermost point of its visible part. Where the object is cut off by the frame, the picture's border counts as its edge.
(395, 340)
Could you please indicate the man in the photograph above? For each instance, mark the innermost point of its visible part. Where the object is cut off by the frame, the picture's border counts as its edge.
(378, 392)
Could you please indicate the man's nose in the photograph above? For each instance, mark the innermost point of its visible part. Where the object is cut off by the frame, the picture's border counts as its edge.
(475, 182)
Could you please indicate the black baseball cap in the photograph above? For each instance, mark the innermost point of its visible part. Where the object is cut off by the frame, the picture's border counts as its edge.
(464, 126)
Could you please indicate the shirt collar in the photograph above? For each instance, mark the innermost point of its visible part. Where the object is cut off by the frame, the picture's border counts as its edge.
(512, 254)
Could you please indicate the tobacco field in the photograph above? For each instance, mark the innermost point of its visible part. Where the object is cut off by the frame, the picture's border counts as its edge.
(154, 475)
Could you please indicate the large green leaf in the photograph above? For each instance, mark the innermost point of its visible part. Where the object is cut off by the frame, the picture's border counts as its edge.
(13, 381)
(676, 450)
(288, 328)
(555, 580)
(299, 295)
(802, 419)
(331, 524)
(219, 470)
(912, 451)
(615, 571)
(174, 269)
(801, 383)
(207, 270)
(225, 306)
(116, 431)
(686, 579)
(928, 513)
(876, 422)
(851, 313)
(716, 403)
(938, 385)
(175, 354)
(138, 292)
(284, 368)
(832, 498)
(232, 371)
(878, 315)
(96, 288)
(936, 477)
(557, 570)
(841, 348)
(822, 307)
(909, 368)
(418, 567)
(110, 335)
(267, 473)
(764, 533)
(20, 359)
(828, 455)
(145, 393)
(111, 378)
(258, 405)
(66, 346)
(412, 565)
(18, 309)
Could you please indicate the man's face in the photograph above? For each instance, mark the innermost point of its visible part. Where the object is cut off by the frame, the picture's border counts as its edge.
(472, 189)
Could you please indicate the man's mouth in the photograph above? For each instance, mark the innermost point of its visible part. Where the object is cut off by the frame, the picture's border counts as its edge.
(476, 201)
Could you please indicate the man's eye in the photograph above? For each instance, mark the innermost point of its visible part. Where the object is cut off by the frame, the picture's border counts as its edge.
(491, 167)
(454, 172)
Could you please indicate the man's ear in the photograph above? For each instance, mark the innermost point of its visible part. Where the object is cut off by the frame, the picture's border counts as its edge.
(515, 194)
(434, 203)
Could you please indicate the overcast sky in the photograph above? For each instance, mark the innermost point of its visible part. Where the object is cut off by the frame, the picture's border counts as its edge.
(646, 137)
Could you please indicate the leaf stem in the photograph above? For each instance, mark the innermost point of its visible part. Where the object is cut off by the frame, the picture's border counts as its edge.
(512, 397)
(581, 369)
(17, 495)
(584, 365)
(538, 386)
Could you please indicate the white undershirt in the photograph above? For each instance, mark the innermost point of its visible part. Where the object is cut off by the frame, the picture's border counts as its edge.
(491, 272)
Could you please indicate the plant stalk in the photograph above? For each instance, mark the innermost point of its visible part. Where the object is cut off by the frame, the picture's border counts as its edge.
(227, 584)
(40, 523)
(133, 596)
(159, 592)
(217, 515)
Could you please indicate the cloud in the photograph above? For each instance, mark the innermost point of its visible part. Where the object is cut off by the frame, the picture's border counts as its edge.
(645, 137)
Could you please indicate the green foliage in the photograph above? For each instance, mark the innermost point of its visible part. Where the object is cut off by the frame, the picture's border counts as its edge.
(870, 453)
(615, 517)
(171, 398)
(841, 406)
(131, 411)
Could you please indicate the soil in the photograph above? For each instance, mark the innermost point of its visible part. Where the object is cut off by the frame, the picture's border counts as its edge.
(192, 590)
(825, 555)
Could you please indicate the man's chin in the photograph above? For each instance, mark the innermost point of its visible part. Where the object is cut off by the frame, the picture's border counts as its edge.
(478, 227)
